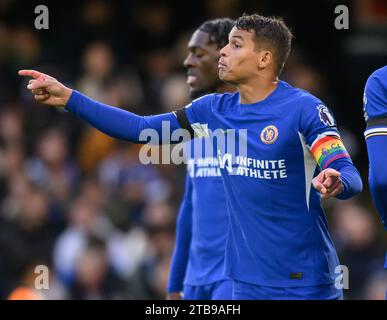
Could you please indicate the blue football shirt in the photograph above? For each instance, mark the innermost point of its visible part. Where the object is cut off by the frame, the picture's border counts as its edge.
(278, 233)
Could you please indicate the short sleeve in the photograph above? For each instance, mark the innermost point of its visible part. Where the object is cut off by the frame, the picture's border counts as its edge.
(318, 126)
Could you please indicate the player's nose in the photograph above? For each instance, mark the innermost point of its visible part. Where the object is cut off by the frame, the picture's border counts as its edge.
(189, 61)
(224, 51)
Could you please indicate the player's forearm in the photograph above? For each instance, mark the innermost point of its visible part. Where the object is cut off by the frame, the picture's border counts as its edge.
(379, 194)
(377, 178)
(181, 250)
(182, 244)
(350, 178)
(116, 122)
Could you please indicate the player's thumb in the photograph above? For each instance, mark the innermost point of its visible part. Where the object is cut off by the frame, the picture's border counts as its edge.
(318, 185)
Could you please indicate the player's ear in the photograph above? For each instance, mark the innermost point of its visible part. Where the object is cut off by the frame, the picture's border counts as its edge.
(264, 59)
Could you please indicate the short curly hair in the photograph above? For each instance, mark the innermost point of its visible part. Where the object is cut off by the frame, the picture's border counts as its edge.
(218, 29)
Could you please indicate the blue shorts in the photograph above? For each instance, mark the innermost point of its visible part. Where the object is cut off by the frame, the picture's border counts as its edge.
(247, 291)
(220, 290)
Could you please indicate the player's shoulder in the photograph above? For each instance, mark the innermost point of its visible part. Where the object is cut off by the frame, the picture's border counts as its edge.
(200, 104)
(224, 102)
(375, 95)
(380, 73)
(377, 79)
(207, 98)
(226, 97)
(215, 98)
(301, 98)
(309, 108)
(213, 103)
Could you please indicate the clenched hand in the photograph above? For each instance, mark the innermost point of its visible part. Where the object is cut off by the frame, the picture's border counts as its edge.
(328, 183)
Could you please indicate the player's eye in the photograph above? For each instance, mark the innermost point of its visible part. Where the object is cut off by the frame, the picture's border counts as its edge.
(198, 53)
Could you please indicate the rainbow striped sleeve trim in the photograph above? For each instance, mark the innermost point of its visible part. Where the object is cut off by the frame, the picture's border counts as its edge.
(328, 149)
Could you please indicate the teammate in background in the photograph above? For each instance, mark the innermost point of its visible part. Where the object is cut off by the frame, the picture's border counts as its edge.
(202, 223)
(278, 244)
(375, 114)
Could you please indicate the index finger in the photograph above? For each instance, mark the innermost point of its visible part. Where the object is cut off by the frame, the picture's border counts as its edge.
(31, 73)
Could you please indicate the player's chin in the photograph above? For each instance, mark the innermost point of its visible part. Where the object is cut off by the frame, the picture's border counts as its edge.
(226, 77)
(224, 74)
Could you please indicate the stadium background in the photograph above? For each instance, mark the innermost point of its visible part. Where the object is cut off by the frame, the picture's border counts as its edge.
(81, 203)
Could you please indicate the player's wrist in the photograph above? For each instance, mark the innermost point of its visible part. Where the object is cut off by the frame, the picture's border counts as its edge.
(66, 96)
(343, 190)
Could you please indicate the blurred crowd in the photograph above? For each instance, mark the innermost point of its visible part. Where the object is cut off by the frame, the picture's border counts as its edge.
(81, 203)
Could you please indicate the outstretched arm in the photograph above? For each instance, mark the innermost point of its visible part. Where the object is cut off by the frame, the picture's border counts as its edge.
(113, 121)
(120, 123)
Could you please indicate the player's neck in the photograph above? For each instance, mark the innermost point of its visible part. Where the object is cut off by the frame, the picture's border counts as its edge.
(256, 90)
(225, 87)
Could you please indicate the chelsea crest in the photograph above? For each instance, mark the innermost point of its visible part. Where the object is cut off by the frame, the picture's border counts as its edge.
(269, 134)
